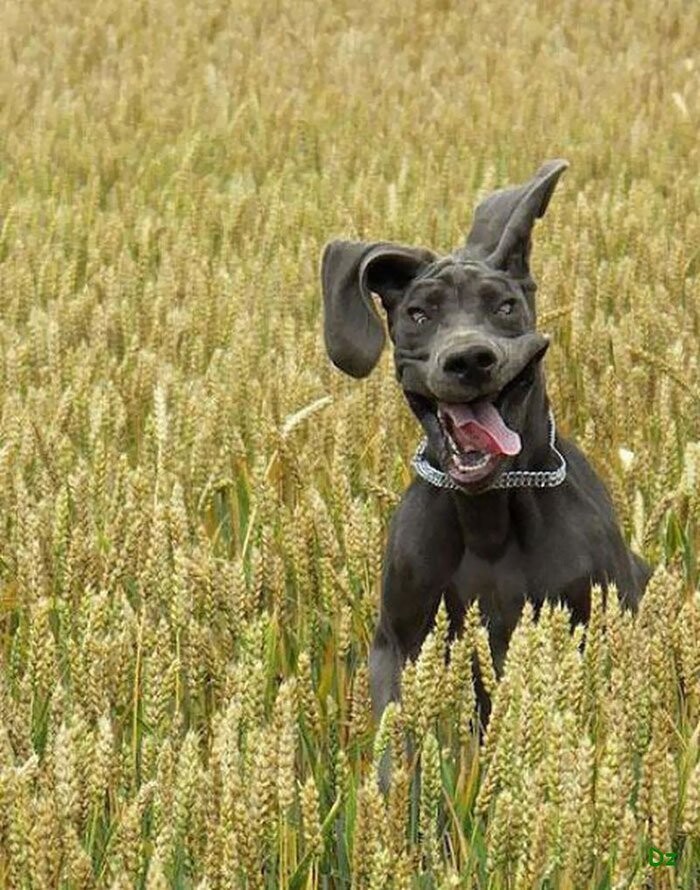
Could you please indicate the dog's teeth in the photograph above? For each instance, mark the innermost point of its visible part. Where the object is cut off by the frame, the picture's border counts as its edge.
(473, 465)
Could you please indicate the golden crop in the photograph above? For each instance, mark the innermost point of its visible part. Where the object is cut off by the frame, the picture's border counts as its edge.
(193, 502)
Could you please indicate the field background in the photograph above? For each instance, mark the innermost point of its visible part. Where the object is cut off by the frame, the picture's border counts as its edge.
(193, 502)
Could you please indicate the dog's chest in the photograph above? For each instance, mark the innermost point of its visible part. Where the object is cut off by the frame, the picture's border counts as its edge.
(514, 574)
(506, 576)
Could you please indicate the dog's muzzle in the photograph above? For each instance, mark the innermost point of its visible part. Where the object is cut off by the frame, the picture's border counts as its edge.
(471, 376)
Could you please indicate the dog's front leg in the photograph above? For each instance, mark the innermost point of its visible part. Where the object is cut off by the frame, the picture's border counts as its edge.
(423, 553)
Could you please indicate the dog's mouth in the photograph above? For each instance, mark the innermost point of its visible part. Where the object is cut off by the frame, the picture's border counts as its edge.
(476, 439)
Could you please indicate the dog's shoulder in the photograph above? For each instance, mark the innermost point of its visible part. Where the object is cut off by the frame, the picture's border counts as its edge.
(592, 515)
(584, 481)
(422, 508)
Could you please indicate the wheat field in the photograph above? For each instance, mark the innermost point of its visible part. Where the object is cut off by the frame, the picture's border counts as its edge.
(193, 501)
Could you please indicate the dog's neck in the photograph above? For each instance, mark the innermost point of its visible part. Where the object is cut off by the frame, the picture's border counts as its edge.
(488, 519)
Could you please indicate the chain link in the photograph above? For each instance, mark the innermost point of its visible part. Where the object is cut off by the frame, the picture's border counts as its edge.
(511, 479)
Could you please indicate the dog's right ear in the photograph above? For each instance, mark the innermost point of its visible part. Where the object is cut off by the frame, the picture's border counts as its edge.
(350, 270)
(501, 233)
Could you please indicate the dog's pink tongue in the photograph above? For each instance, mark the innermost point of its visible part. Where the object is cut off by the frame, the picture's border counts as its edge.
(479, 426)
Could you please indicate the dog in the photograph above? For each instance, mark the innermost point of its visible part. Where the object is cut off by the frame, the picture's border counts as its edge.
(502, 509)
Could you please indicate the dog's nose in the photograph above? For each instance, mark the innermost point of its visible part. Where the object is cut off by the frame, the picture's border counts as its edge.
(477, 360)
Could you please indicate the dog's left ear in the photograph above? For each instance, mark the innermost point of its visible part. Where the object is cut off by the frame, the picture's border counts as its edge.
(503, 222)
(350, 270)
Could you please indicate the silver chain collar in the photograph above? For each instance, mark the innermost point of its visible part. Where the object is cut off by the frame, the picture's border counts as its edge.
(511, 479)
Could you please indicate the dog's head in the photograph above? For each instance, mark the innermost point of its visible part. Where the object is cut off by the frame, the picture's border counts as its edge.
(466, 350)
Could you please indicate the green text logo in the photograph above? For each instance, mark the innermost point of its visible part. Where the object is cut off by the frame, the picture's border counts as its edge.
(657, 858)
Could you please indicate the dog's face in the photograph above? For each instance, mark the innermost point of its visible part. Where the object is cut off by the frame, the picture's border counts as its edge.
(467, 357)
(466, 348)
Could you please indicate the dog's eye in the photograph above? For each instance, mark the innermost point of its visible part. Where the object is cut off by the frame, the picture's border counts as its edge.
(417, 315)
(506, 307)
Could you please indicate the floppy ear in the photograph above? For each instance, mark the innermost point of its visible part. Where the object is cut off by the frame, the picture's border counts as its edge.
(353, 331)
(503, 222)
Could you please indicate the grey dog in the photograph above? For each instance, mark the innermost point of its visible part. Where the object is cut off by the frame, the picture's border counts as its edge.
(502, 509)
